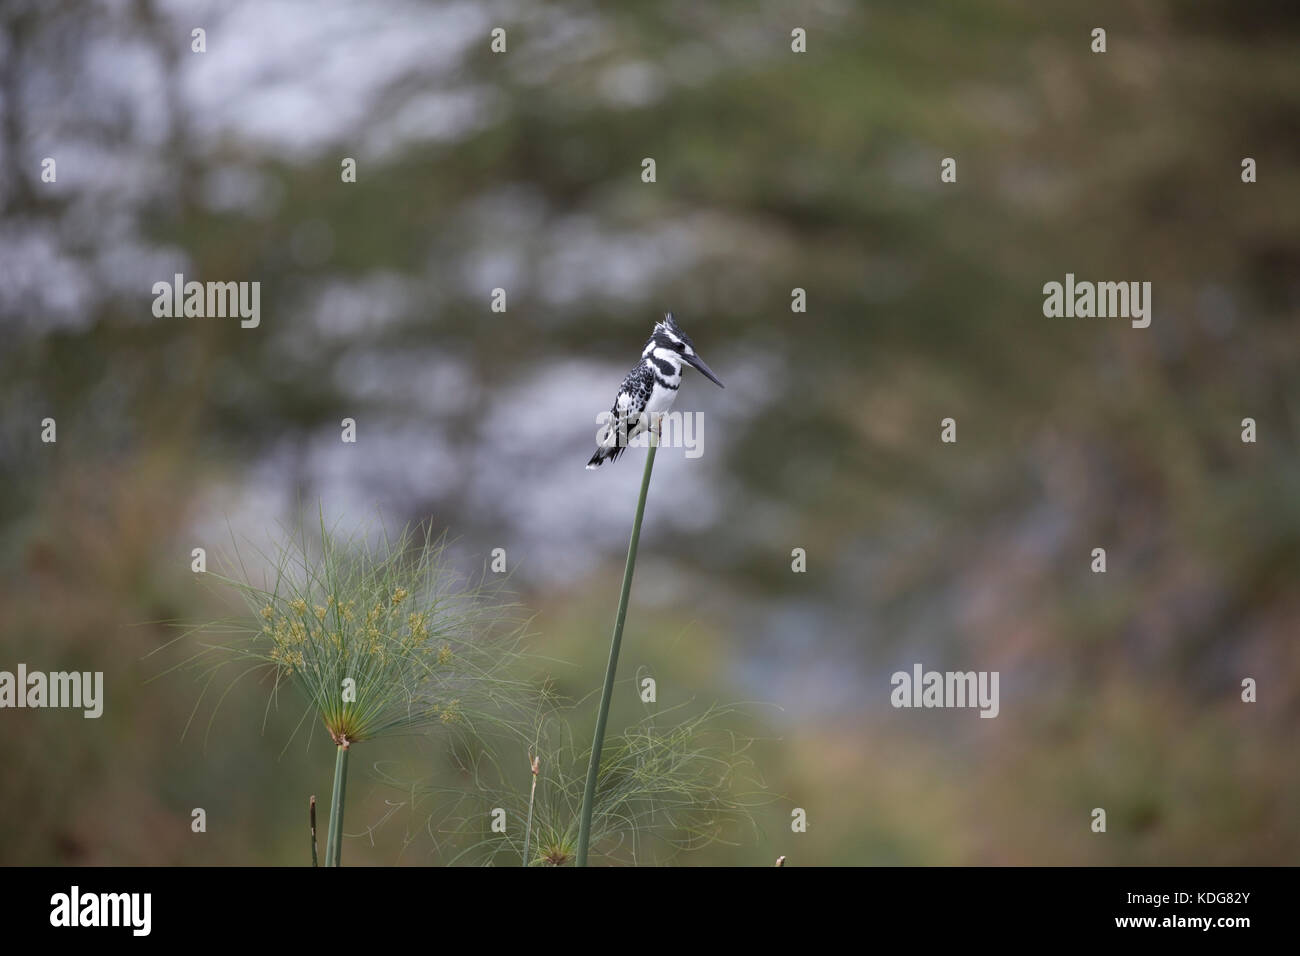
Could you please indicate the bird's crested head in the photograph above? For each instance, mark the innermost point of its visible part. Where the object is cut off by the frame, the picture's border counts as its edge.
(668, 334)
(668, 338)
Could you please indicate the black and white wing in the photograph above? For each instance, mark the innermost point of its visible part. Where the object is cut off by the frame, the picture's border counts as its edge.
(626, 419)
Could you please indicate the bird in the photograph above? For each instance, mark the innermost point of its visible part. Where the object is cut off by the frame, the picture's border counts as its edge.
(649, 389)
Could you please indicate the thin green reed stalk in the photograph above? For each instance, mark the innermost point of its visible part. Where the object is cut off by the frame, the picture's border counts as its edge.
(334, 840)
(532, 798)
(598, 741)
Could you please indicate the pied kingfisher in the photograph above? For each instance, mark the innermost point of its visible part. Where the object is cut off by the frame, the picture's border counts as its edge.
(649, 389)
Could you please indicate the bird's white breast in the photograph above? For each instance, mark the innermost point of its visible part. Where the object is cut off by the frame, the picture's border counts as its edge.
(661, 399)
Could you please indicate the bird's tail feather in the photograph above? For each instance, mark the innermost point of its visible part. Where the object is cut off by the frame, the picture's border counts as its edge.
(604, 454)
(608, 447)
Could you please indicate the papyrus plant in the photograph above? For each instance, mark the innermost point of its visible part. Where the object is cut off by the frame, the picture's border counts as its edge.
(674, 780)
(376, 639)
(671, 781)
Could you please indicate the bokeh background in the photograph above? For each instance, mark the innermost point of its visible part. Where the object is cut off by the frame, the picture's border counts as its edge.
(775, 170)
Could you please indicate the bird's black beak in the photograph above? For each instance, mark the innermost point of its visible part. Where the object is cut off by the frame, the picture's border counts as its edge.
(704, 369)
